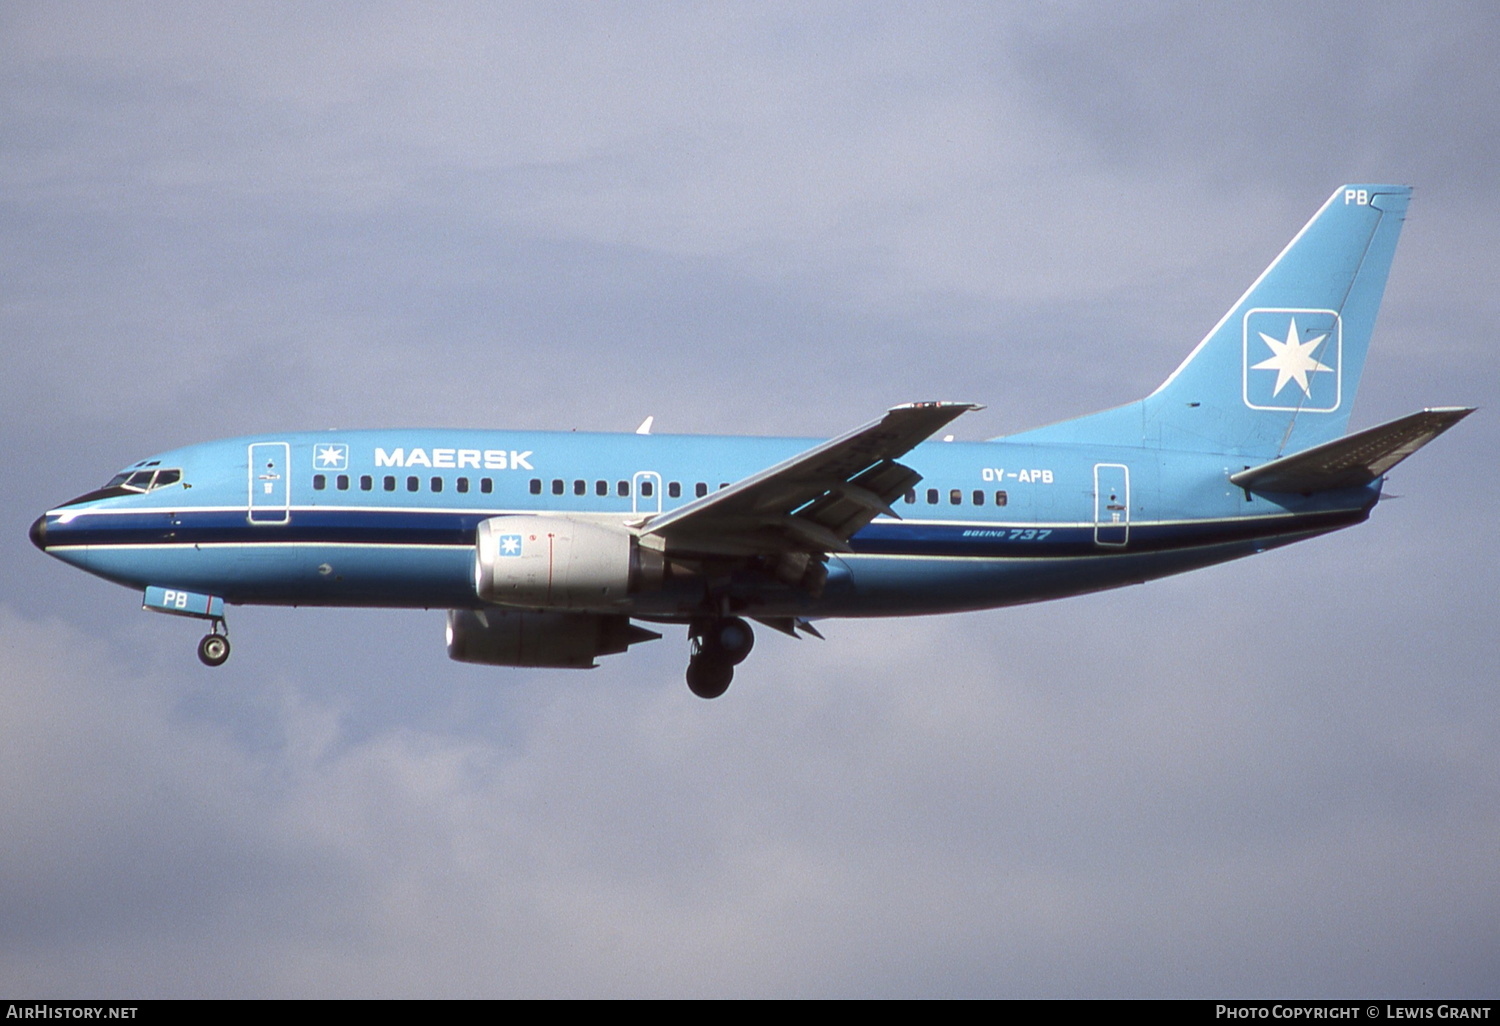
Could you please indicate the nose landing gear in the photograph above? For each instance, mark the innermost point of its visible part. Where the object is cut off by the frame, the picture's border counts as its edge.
(214, 648)
(719, 645)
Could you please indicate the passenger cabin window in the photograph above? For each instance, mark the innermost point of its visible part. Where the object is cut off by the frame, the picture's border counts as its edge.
(580, 487)
(389, 484)
(978, 497)
(557, 486)
(1000, 498)
(700, 489)
(413, 483)
(319, 482)
(911, 495)
(646, 489)
(623, 489)
(956, 497)
(674, 489)
(932, 496)
(343, 482)
(536, 486)
(601, 487)
(486, 485)
(366, 482)
(463, 484)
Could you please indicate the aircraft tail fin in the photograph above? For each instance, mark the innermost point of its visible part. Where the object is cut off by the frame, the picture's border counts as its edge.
(1278, 373)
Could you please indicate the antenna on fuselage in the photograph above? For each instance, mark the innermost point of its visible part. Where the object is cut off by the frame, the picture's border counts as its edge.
(645, 428)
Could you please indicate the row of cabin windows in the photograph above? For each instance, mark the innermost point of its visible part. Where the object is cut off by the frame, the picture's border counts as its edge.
(601, 488)
(487, 485)
(622, 488)
(388, 483)
(956, 497)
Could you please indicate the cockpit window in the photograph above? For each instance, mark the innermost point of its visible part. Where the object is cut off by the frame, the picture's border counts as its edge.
(145, 480)
(130, 482)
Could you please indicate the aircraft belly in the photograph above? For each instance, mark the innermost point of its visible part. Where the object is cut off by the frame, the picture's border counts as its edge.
(357, 575)
(905, 586)
(896, 568)
(275, 574)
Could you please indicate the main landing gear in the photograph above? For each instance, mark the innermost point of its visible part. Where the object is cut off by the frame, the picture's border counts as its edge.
(214, 648)
(718, 646)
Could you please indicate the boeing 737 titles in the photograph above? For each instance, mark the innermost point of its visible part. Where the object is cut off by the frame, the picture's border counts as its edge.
(552, 549)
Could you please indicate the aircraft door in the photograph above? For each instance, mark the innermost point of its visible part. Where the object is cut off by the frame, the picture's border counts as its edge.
(645, 492)
(1111, 504)
(270, 483)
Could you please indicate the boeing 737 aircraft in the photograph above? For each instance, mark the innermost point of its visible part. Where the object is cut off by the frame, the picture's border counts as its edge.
(547, 548)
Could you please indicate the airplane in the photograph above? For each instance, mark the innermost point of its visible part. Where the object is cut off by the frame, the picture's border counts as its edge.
(553, 549)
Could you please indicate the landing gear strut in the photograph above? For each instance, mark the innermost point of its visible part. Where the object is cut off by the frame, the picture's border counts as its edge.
(214, 648)
(719, 645)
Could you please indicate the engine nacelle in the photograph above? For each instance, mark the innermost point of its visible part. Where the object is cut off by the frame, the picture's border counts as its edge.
(561, 563)
(512, 637)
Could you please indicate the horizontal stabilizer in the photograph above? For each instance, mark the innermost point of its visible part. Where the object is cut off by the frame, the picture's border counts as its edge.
(1353, 460)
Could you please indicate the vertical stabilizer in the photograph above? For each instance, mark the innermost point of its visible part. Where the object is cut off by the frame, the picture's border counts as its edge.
(1279, 372)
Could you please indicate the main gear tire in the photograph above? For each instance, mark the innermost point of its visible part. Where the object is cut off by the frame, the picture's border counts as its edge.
(730, 639)
(709, 678)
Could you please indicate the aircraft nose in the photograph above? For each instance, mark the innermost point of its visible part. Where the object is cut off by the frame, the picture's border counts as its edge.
(39, 533)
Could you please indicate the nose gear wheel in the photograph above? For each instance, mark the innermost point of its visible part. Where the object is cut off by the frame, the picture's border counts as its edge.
(213, 649)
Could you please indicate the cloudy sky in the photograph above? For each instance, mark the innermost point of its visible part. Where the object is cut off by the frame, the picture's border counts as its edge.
(1276, 778)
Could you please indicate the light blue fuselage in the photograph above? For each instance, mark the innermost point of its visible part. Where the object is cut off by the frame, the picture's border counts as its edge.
(388, 518)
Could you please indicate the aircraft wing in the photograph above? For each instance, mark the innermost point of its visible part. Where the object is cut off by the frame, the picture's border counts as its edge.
(1353, 460)
(814, 502)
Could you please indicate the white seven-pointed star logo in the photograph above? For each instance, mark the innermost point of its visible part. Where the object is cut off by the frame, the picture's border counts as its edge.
(510, 545)
(332, 457)
(1293, 360)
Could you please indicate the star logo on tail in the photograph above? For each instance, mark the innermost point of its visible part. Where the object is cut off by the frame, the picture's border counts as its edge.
(1294, 360)
(1306, 348)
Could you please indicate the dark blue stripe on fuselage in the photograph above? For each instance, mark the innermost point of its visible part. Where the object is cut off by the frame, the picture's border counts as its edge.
(456, 529)
(366, 527)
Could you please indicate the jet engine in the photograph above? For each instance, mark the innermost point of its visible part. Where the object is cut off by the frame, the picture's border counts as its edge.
(513, 637)
(561, 563)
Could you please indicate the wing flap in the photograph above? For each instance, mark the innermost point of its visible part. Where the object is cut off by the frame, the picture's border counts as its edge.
(1353, 460)
(815, 501)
